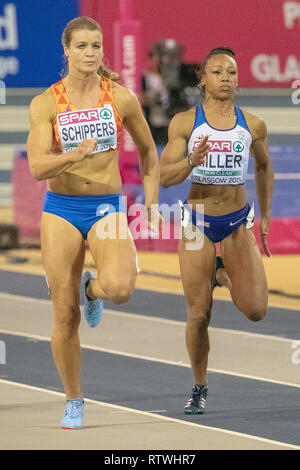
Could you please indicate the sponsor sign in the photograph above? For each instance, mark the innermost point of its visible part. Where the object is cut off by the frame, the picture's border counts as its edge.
(30, 41)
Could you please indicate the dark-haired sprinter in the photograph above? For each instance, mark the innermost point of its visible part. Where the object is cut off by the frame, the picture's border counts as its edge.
(211, 144)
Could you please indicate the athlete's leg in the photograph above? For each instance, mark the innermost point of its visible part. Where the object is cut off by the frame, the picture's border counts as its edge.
(197, 272)
(63, 256)
(115, 259)
(244, 266)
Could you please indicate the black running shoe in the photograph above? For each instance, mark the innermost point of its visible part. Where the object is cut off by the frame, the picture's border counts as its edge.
(219, 264)
(197, 401)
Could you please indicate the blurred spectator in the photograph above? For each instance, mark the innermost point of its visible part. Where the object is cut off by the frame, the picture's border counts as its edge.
(155, 98)
(168, 87)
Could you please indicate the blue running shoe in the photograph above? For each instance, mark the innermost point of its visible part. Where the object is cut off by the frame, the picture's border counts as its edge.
(92, 308)
(73, 414)
(197, 401)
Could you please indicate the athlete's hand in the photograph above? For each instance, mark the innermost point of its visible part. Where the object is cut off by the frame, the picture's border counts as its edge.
(264, 229)
(198, 156)
(84, 150)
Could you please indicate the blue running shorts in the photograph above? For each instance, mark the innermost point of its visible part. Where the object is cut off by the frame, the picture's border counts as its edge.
(216, 228)
(83, 211)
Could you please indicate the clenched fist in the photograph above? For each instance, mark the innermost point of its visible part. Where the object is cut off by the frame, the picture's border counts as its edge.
(84, 150)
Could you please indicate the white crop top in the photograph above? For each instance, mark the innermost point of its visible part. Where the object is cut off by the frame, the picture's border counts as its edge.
(228, 156)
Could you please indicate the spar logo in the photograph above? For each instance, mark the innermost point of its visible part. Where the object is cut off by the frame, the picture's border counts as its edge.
(238, 146)
(216, 145)
(75, 117)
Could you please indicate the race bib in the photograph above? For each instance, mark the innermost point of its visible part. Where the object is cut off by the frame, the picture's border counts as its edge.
(226, 163)
(99, 123)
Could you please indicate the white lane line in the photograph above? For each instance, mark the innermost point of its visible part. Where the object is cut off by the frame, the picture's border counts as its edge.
(24, 298)
(294, 308)
(278, 176)
(211, 328)
(150, 414)
(155, 359)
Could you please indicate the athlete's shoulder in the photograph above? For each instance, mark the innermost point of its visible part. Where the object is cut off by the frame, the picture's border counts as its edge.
(126, 101)
(43, 105)
(123, 93)
(189, 114)
(256, 124)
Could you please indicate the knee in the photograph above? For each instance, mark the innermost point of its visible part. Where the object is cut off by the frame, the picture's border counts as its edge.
(121, 295)
(254, 312)
(67, 311)
(67, 321)
(198, 317)
(118, 290)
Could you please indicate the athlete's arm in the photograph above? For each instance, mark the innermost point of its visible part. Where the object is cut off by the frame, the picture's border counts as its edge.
(43, 164)
(174, 166)
(264, 176)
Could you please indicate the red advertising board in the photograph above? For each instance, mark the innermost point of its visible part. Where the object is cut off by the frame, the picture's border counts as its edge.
(263, 33)
(127, 61)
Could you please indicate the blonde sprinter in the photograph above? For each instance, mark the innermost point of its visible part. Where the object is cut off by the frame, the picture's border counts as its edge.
(74, 142)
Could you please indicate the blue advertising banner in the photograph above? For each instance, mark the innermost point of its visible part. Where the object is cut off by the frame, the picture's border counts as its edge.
(30, 40)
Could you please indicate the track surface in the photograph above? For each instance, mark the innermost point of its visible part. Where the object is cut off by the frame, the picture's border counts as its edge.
(136, 376)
